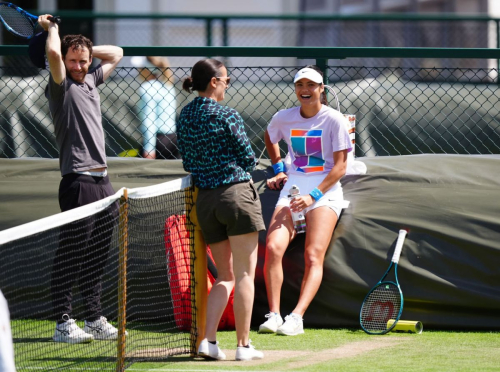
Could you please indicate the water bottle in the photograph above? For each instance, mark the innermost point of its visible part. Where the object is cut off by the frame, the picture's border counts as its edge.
(298, 218)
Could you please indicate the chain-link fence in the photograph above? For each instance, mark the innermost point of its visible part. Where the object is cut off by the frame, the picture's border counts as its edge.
(399, 111)
(374, 30)
(403, 32)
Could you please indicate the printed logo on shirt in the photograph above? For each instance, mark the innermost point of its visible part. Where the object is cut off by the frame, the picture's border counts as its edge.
(308, 150)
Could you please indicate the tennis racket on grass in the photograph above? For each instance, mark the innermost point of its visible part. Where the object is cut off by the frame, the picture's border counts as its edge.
(385, 300)
(19, 22)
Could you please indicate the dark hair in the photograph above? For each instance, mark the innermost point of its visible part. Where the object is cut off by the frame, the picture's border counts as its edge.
(75, 42)
(203, 71)
(324, 101)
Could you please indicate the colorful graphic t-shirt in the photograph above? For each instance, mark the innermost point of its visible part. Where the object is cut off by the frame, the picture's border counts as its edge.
(311, 141)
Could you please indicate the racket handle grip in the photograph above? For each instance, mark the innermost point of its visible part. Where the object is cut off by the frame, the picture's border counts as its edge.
(399, 245)
(55, 19)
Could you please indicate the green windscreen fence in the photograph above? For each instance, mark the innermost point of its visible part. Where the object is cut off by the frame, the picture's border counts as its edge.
(398, 110)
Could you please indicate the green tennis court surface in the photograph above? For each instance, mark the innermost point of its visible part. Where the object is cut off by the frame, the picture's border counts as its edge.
(316, 350)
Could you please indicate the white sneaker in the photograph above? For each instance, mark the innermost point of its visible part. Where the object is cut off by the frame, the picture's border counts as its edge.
(101, 329)
(293, 326)
(248, 352)
(70, 333)
(210, 351)
(271, 325)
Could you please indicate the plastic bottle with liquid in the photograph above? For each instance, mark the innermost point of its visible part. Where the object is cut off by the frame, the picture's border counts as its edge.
(298, 218)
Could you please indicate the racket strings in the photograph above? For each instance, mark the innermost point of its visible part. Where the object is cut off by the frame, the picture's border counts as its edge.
(16, 21)
(382, 304)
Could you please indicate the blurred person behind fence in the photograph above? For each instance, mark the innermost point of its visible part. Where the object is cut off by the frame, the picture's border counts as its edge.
(157, 108)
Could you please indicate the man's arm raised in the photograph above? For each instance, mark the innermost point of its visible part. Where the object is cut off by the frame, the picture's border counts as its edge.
(109, 55)
(53, 49)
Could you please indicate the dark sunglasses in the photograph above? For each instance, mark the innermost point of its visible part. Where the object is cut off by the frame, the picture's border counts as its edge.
(227, 80)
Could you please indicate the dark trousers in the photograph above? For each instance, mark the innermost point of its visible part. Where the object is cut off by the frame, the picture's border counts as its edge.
(83, 245)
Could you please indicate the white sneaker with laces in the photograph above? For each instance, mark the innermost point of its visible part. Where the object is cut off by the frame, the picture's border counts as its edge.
(69, 332)
(271, 325)
(210, 351)
(101, 329)
(248, 352)
(293, 326)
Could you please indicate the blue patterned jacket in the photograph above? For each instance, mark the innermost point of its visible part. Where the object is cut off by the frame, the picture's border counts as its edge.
(214, 145)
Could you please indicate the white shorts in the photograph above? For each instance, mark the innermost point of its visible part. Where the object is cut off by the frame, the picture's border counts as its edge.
(333, 198)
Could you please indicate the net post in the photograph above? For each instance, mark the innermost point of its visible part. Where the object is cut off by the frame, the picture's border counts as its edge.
(200, 277)
(122, 282)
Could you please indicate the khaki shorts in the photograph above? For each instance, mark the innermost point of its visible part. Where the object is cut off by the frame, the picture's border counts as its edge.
(229, 210)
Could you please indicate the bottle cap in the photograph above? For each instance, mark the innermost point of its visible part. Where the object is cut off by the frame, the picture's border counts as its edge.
(294, 190)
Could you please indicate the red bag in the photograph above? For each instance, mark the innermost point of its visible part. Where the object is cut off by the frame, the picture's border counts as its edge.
(178, 261)
(178, 269)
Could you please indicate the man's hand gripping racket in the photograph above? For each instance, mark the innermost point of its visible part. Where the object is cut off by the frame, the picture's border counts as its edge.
(385, 300)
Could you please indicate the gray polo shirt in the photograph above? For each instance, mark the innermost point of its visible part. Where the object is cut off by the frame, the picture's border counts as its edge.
(76, 112)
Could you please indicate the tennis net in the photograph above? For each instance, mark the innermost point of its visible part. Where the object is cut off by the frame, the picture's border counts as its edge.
(135, 248)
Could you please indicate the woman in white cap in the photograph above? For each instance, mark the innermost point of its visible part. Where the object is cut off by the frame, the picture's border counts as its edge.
(318, 143)
(157, 108)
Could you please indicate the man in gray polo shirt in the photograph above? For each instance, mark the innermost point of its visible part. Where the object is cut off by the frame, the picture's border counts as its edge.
(75, 107)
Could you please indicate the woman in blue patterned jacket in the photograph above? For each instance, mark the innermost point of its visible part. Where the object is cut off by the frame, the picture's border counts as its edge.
(216, 151)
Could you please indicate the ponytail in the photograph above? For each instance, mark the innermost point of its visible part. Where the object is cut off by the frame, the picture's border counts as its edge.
(187, 85)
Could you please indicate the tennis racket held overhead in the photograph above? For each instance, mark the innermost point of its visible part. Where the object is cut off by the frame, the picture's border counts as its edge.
(19, 22)
(385, 299)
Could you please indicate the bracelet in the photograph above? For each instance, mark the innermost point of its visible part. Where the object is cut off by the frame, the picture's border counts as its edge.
(316, 194)
(279, 167)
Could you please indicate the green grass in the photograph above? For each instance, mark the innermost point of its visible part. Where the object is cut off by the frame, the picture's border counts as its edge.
(354, 350)
(35, 350)
(317, 350)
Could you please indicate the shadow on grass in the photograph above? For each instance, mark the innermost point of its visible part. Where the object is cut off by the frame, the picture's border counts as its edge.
(128, 360)
(74, 360)
(155, 328)
(32, 340)
(353, 330)
(175, 358)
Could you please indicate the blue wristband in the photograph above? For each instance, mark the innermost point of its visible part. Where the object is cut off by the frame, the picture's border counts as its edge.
(316, 194)
(279, 167)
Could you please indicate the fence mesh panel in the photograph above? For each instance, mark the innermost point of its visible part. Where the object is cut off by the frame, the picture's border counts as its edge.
(399, 110)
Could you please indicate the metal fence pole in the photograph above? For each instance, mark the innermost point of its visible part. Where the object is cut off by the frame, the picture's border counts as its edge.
(497, 22)
(322, 63)
(208, 28)
(225, 39)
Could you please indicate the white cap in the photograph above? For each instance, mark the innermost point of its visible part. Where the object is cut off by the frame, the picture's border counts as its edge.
(308, 73)
(140, 62)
